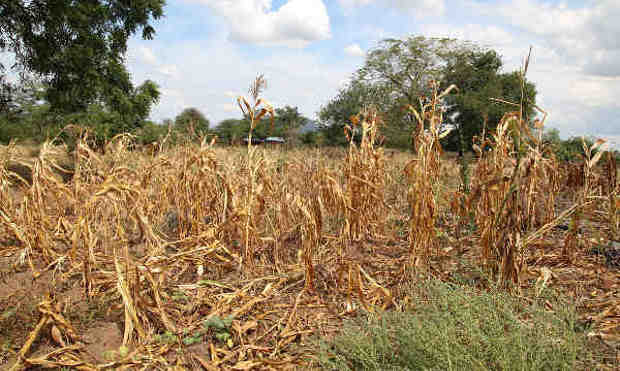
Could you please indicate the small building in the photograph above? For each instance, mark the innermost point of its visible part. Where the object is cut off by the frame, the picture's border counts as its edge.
(255, 141)
(274, 140)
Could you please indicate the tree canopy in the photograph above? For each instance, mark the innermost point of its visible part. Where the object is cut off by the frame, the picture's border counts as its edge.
(29, 115)
(478, 78)
(348, 102)
(288, 120)
(191, 121)
(397, 73)
(78, 47)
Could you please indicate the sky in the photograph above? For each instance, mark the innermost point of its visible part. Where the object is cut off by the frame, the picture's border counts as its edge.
(206, 52)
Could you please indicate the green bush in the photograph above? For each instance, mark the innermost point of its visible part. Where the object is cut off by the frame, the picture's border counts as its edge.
(151, 132)
(457, 328)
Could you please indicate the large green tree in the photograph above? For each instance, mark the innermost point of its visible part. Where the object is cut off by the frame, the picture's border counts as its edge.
(30, 116)
(478, 76)
(231, 130)
(398, 72)
(130, 113)
(78, 47)
(348, 102)
(287, 123)
(191, 121)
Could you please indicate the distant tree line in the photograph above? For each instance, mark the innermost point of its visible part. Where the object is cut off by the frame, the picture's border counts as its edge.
(191, 124)
(70, 64)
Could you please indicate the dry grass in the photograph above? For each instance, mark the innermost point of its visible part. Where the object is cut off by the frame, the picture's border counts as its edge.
(216, 257)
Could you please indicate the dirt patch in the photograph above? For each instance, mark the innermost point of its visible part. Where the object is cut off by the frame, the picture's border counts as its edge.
(102, 339)
(6, 262)
(74, 299)
(20, 293)
(24, 283)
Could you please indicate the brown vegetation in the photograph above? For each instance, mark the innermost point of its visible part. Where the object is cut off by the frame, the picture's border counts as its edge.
(213, 257)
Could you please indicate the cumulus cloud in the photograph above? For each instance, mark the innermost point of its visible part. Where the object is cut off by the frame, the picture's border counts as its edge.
(576, 100)
(586, 36)
(295, 76)
(295, 24)
(604, 62)
(144, 54)
(354, 50)
(574, 62)
(169, 70)
(428, 7)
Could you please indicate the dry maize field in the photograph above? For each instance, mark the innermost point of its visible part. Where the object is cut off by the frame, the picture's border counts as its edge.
(204, 256)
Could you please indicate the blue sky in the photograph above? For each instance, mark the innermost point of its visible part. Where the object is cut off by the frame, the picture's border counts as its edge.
(206, 52)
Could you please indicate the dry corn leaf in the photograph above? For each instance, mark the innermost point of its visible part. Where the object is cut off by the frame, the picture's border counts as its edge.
(246, 365)
(57, 336)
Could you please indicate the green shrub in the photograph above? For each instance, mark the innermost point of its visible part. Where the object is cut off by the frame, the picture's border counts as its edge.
(457, 328)
(151, 132)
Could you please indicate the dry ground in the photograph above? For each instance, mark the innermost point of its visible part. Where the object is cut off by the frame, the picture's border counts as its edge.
(204, 256)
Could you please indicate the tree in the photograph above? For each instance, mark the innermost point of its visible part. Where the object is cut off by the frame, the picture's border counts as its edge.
(77, 46)
(17, 97)
(25, 111)
(478, 78)
(399, 72)
(131, 113)
(151, 132)
(231, 130)
(350, 100)
(191, 121)
(288, 121)
(6, 96)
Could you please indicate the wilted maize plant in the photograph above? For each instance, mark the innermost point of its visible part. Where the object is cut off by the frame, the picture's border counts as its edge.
(424, 173)
(585, 196)
(499, 212)
(255, 113)
(513, 190)
(364, 178)
(613, 194)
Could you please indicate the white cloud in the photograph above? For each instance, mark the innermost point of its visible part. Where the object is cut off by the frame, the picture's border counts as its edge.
(294, 76)
(227, 107)
(353, 3)
(425, 7)
(146, 55)
(354, 50)
(576, 101)
(586, 36)
(295, 24)
(169, 70)
(603, 62)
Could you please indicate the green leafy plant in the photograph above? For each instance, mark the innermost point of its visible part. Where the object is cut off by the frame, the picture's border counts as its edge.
(196, 337)
(166, 338)
(221, 328)
(457, 328)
